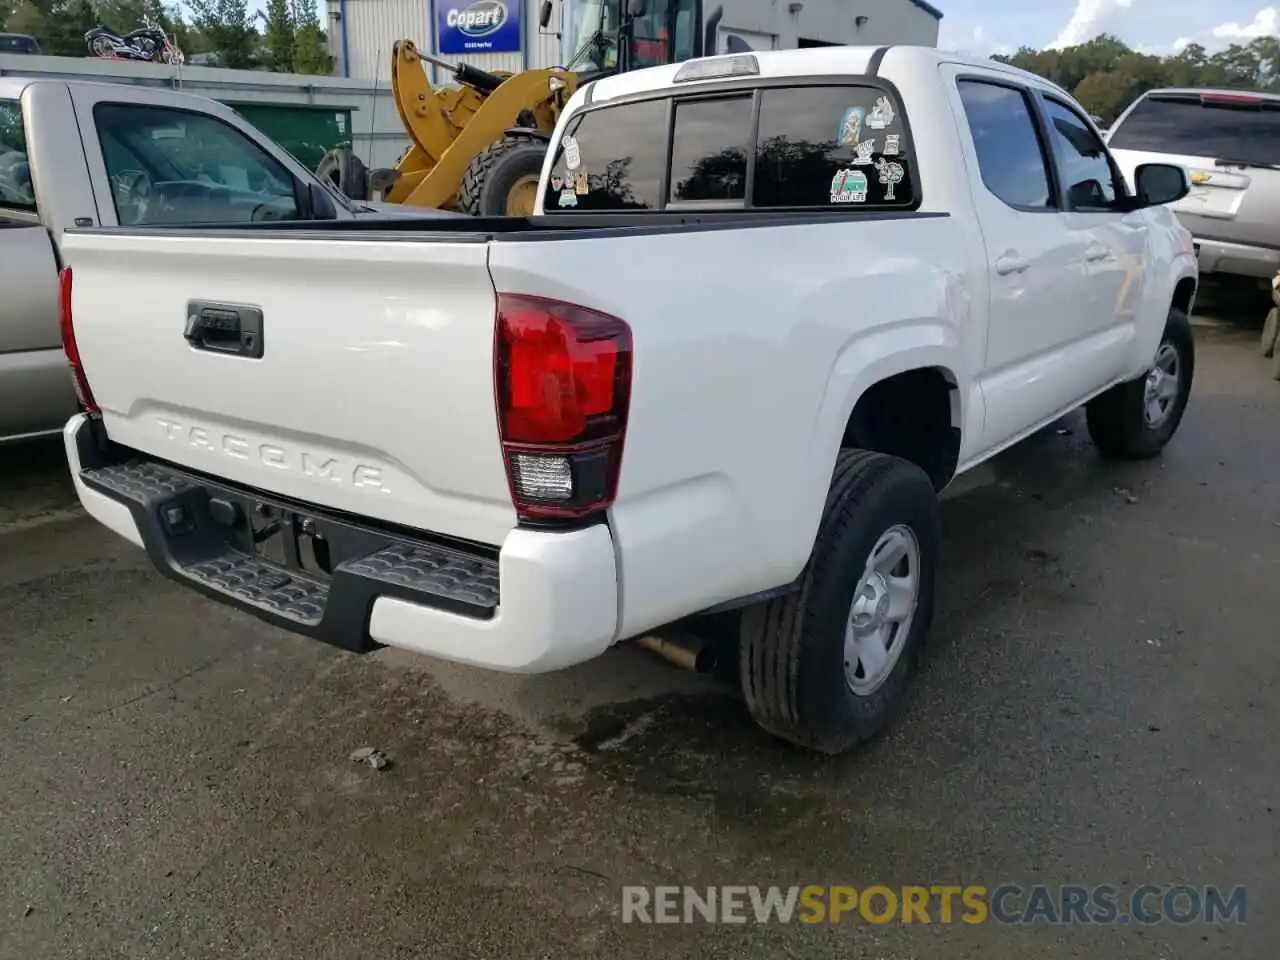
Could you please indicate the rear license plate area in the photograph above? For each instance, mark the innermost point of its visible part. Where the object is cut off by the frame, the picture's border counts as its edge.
(290, 540)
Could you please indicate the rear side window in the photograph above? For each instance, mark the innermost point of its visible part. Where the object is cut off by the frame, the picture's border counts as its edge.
(613, 158)
(812, 147)
(1011, 158)
(17, 192)
(820, 146)
(1226, 127)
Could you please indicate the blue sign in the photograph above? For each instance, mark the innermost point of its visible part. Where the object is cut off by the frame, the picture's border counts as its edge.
(478, 26)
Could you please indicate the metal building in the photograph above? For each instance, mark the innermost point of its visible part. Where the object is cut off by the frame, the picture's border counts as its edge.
(361, 32)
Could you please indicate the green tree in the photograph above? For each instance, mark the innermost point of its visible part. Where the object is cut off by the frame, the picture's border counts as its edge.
(310, 52)
(229, 31)
(281, 35)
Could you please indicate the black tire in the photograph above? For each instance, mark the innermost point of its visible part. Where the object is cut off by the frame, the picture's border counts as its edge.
(341, 167)
(491, 176)
(1270, 331)
(1116, 419)
(792, 649)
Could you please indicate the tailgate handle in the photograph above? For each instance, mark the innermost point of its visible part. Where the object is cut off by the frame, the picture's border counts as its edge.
(229, 328)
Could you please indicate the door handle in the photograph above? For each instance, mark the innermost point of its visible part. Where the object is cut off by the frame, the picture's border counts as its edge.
(1095, 252)
(1011, 263)
(230, 328)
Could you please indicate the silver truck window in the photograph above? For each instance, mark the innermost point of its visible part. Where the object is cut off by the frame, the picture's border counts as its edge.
(16, 189)
(1085, 167)
(175, 167)
(1011, 157)
(709, 150)
(837, 145)
(611, 158)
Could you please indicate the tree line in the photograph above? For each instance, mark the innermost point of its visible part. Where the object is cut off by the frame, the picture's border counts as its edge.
(1106, 75)
(287, 37)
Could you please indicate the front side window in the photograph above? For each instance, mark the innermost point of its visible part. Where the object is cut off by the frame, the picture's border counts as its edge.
(173, 167)
(1010, 158)
(17, 192)
(1087, 174)
(823, 146)
(612, 158)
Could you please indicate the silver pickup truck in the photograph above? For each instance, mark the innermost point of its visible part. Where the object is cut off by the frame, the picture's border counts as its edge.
(82, 154)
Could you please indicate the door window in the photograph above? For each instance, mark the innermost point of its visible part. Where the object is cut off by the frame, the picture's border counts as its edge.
(613, 158)
(17, 192)
(1011, 157)
(173, 167)
(1088, 177)
(822, 146)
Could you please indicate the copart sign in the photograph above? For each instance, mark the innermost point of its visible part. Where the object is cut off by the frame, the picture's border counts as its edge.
(481, 26)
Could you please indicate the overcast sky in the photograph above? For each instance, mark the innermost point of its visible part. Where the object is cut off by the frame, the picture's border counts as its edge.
(1154, 26)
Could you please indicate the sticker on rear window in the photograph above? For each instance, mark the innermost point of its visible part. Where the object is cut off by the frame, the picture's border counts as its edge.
(850, 130)
(890, 175)
(891, 145)
(849, 186)
(881, 114)
(572, 156)
(864, 150)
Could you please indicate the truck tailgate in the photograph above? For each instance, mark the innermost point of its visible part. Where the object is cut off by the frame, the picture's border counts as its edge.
(374, 391)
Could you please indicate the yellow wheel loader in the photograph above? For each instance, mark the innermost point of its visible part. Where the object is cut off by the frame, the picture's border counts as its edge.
(478, 147)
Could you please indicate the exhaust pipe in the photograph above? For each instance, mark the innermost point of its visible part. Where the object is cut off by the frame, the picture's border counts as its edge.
(696, 654)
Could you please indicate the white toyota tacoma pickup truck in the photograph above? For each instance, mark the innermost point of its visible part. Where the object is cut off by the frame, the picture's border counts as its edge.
(771, 305)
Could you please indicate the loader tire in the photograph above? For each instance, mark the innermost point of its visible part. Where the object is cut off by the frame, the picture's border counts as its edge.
(341, 167)
(503, 180)
(802, 666)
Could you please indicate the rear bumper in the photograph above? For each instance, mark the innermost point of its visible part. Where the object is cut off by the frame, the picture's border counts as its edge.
(544, 601)
(1237, 259)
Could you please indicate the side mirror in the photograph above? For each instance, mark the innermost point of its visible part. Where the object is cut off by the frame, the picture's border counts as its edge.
(544, 14)
(636, 8)
(1159, 183)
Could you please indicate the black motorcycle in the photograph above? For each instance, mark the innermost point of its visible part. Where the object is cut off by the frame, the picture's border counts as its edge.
(148, 44)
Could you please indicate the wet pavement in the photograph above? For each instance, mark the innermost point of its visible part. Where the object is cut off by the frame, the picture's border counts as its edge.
(1099, 705)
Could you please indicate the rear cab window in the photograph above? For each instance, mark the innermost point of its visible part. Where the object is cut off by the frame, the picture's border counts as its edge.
(1220, 125)
(843, 143)
(17, 191)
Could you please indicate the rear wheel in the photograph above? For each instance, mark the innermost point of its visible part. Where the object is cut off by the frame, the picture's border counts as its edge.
(1135, 420)
(827, 667)
(503, 180)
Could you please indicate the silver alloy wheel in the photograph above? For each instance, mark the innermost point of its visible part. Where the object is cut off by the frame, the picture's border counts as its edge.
(1161, 390)
(884, 604)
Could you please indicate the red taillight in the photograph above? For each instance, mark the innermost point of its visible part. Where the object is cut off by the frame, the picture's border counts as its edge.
(563, 380)
(83, 393)
(1230, 98)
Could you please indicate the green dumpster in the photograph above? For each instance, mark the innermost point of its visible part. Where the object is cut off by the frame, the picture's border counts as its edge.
(306, 131)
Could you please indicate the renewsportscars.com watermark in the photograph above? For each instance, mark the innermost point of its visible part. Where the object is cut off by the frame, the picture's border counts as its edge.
(878, 904)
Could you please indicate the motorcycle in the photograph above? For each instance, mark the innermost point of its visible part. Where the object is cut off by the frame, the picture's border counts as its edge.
(148, 43)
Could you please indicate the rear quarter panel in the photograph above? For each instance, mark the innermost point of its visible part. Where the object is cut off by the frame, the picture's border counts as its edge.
(35, 387)
(751, 348)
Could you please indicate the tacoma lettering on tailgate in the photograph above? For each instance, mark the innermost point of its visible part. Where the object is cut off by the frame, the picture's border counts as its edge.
(315, 465)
